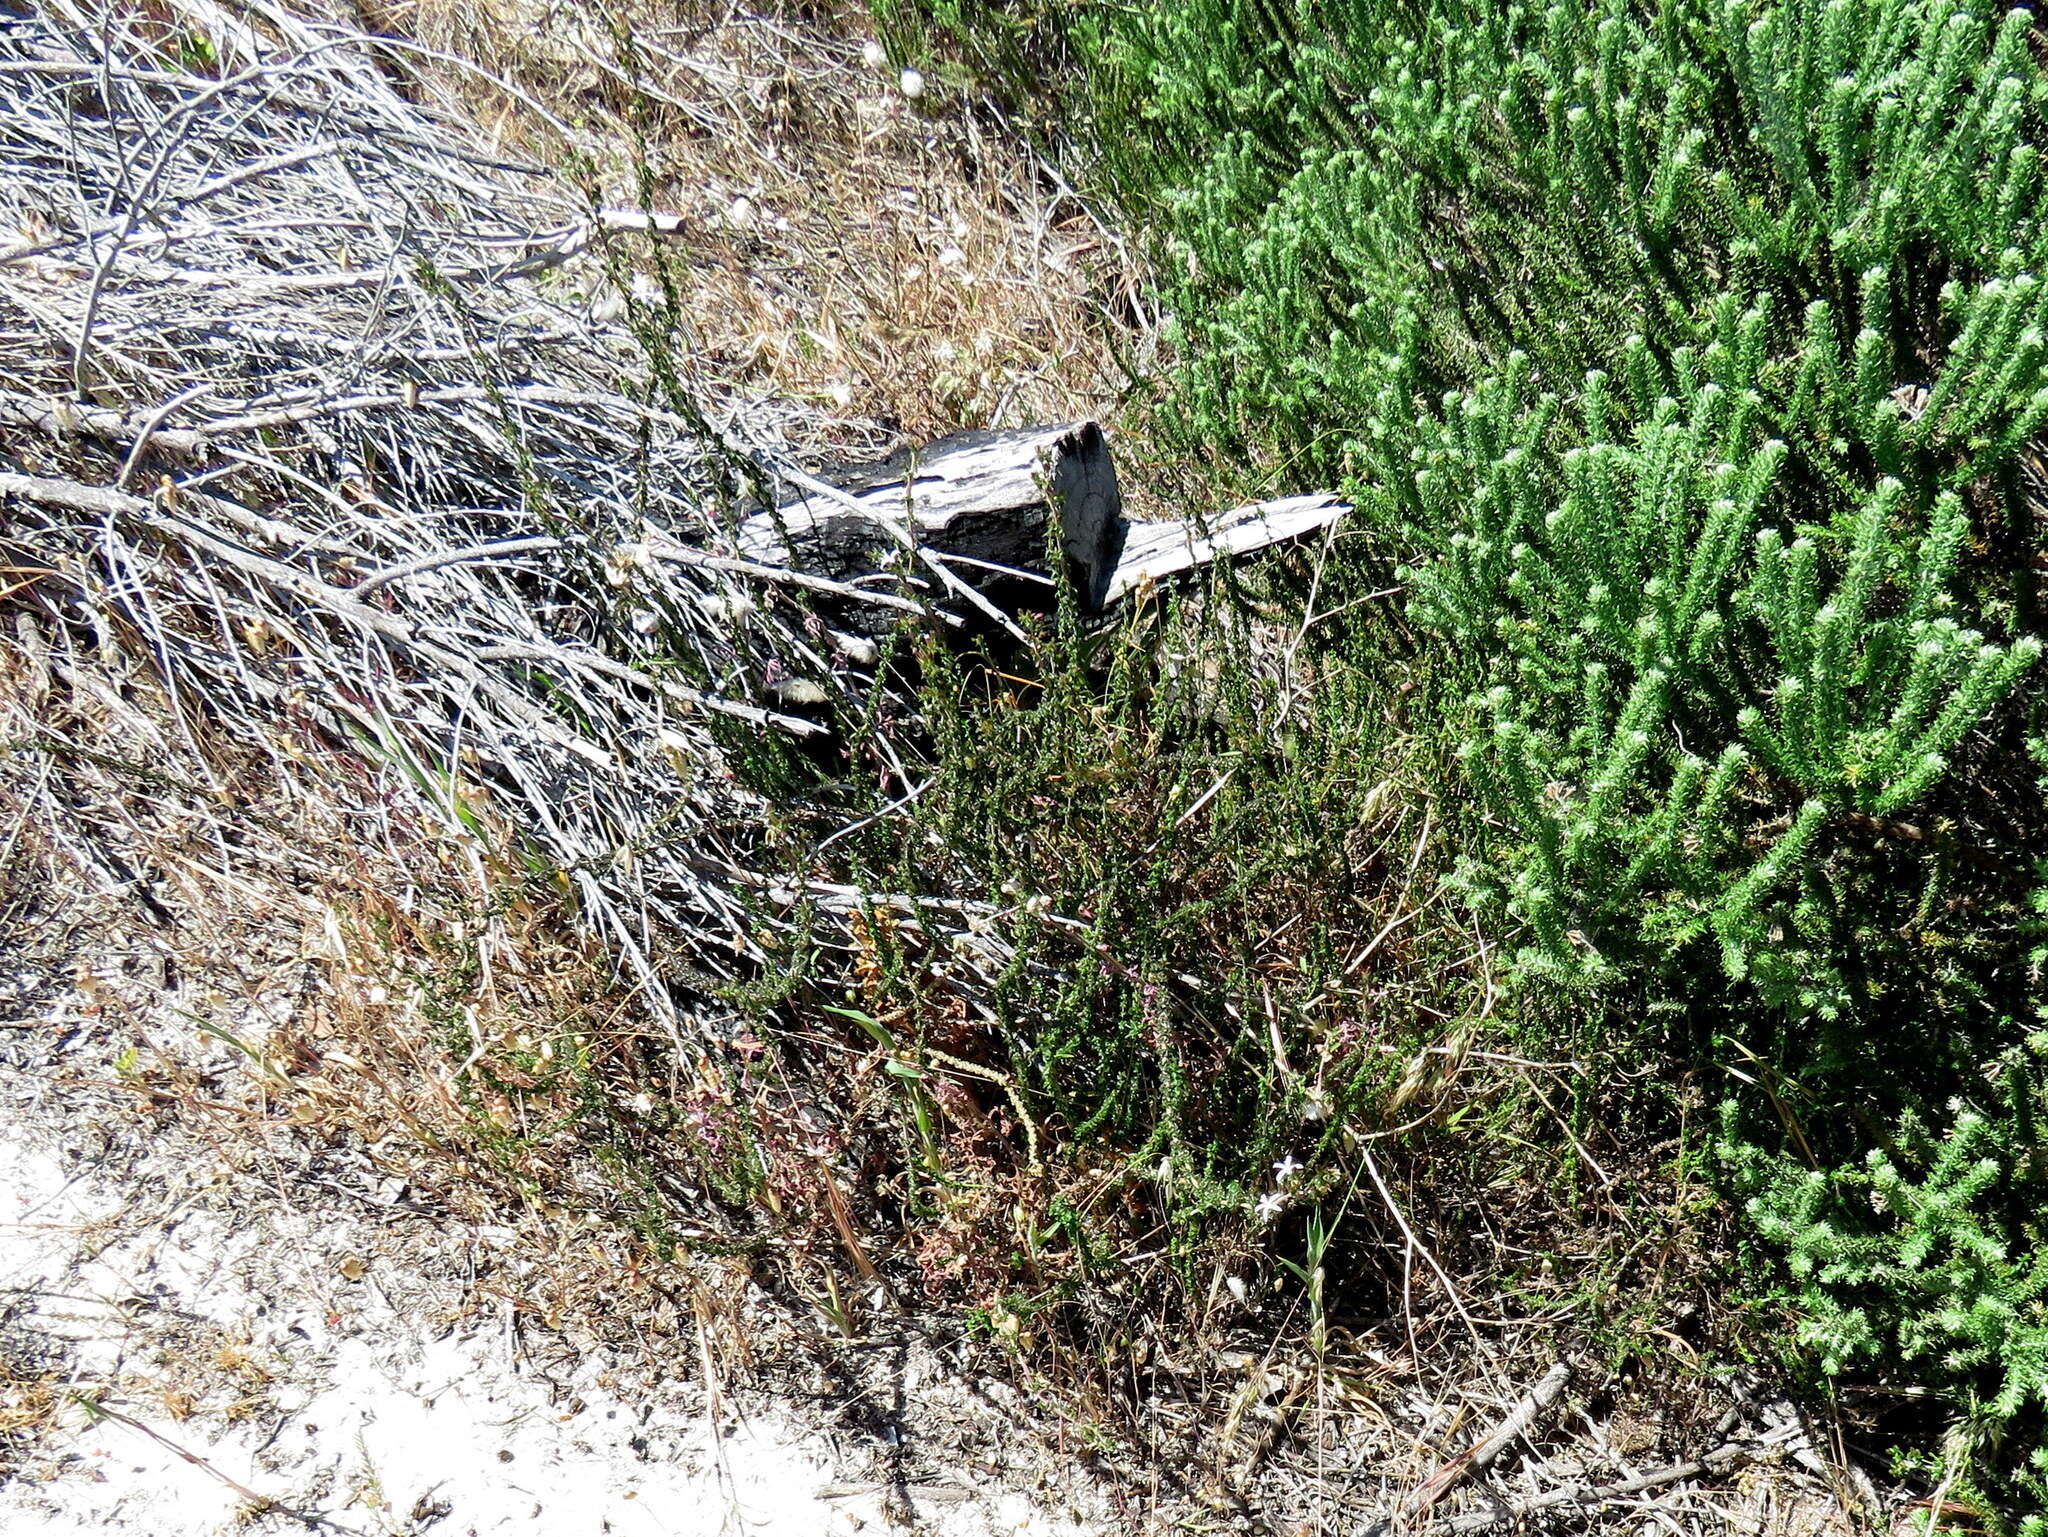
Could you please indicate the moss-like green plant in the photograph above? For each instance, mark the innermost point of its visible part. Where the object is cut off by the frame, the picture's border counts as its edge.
(1930, 1253)
(1688, 361)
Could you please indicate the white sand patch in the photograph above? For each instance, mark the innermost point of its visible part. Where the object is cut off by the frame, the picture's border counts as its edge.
(369, 1422)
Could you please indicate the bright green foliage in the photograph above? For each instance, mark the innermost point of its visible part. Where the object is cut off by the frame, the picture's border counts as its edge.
(1629, 590)
(1668, 347)
(1362, 193)
(1933, 1251)
(1688, 360)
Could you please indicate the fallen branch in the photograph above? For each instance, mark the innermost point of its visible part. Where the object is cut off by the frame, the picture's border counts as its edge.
(1480, 1455)
(62, 418)
(1156, 551)
(1721, 1460)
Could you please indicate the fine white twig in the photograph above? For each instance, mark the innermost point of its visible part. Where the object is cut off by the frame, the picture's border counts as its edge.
(287, 402)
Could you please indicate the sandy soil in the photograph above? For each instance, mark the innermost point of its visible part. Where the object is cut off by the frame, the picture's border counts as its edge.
(204, 1332)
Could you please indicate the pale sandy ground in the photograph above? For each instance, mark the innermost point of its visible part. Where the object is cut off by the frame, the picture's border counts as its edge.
(311, 1336)
(381, 1427)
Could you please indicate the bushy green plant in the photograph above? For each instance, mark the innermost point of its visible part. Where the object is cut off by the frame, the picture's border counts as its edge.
(1679, 701)
(1932, 1252)
(1362, 193)
(1667, 347)
(1689, 361)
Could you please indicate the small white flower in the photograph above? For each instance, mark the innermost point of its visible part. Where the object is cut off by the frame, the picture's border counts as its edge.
(736, 607)
(873, 54)
(626, 559)
(911, 84)
(1286, 1169)
(1271, 1204)
(1236, 1285)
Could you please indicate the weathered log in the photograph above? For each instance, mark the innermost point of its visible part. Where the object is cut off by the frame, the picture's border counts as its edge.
(1154, 551)
(980, 502)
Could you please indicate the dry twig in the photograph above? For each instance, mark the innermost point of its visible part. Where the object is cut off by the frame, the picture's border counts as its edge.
(1479, 1456)
(419, 496)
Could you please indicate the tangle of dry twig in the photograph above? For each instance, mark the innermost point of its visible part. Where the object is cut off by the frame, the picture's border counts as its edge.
(369, 439)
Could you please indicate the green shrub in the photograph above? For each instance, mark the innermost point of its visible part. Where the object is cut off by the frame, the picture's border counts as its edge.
(1689, 362)
(1365, 195)
(1680, 703)
(1667, 347)
(1932, 1252)
(1687, 357)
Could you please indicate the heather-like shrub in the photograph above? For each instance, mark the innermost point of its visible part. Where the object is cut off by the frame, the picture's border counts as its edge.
(1688, 363)
(1930, 1255)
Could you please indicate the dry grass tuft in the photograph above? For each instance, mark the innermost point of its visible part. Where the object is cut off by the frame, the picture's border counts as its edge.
(903, 265)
